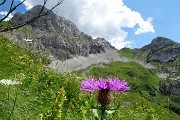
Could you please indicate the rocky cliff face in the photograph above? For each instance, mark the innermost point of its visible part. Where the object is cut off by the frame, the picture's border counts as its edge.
(158, 43)
(162, 50)
(170, 86)
(56, 35)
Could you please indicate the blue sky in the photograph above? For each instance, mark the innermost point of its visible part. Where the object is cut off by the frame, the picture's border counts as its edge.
(5, 8)
(166, 19)
(124, 23)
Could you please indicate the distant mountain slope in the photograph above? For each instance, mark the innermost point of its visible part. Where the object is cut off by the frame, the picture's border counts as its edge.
(56, 35)
(160, 50)
(164, 53)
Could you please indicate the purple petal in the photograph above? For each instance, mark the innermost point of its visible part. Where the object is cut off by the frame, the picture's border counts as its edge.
(110, 84)
(123, 86)
(102, 83)
(89, 85)
(114, 83)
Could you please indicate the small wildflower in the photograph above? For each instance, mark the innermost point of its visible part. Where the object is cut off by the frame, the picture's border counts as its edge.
(127, 103)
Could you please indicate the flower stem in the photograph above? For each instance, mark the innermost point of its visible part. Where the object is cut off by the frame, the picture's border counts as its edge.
(103, 114)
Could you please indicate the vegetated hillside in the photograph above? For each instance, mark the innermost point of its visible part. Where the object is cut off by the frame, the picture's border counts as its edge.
(15, 59)
(165, 55)
(44, 94)
(35, 97)
(139, 77)
(161, 51)
(143, 81)
(56, 35)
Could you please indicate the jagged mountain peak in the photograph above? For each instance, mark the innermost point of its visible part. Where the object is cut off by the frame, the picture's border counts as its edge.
(38, 8)
(161, 49)
(58, 35)
(50, 22)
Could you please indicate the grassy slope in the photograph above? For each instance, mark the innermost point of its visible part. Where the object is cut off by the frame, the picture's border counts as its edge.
(173, 103)
(126, 52)
(135, 74)
(41, 91)
(15, 63)
(40, 85)
(133, 54)
(142, 81)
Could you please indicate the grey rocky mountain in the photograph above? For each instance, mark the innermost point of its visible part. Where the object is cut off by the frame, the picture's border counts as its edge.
(56, 35)
(158, 43)
(162, 50)
(170, 86)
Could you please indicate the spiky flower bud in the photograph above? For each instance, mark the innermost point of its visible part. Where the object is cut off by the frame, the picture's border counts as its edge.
(104, 97)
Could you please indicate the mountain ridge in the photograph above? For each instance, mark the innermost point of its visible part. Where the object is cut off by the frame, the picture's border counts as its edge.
(161, 50)
(56, 35)
(163, 53)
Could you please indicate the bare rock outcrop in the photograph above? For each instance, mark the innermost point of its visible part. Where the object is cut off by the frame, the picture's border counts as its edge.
(57, 35)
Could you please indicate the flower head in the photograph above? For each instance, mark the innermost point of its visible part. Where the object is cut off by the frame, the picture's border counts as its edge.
(104, 86)
(92, 84)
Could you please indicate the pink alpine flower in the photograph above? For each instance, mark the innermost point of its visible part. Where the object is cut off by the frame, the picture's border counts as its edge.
(93, 84)
(104, 88)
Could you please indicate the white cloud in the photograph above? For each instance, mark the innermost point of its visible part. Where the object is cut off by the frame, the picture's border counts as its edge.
(145, 26)
(102, 18)
(28, 6)
(4, 13)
